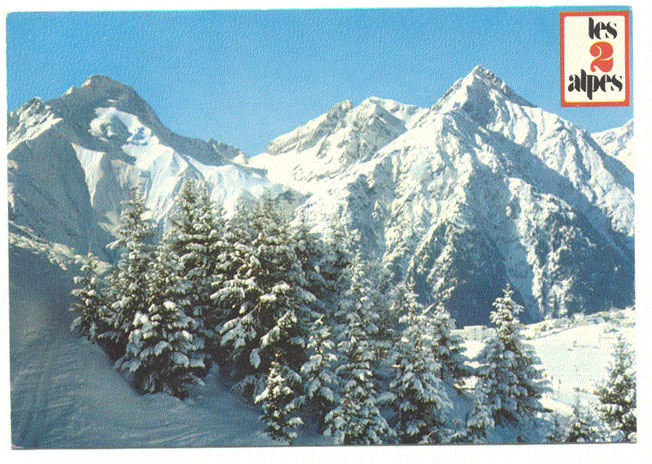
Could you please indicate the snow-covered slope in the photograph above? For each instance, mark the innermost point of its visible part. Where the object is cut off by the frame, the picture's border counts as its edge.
(332, 142)
(72, 161)
(619, 143)
(64, 391)
(575, 353)
(480, 189)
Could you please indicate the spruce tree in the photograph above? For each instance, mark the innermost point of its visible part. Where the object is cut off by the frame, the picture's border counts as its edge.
(336, 269)
(194, 243)
(618, 394)
(234, 289)
(448, 348)
(559, 429)
(281, 401)
(268, 288)
(507, 373)
(478, 421)
(420, 399)
(311, 251)
(162, 354)
(581, 427)
(357, 418)
(91, 303)
(129, 281)
(318, 373)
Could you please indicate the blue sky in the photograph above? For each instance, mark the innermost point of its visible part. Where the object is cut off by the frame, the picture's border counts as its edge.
(245, 77)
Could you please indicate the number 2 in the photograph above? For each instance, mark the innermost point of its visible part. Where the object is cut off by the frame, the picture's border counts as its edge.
(604, 52)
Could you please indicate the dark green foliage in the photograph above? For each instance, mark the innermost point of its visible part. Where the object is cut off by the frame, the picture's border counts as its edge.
(280, 401)
(129, 281)
(618, 395)
(508, 375)
(90, 303)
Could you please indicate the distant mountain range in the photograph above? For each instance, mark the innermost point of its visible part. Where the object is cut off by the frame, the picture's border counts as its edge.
(481, 189)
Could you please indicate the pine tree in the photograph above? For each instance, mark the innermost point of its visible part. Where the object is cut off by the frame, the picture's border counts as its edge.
(318, 373)
(91, 303)
(420, 399)
(162, 354)
(449, 351)
(281, 401)
(558, 430)
(618, 394)
(478, 421)
(581, 427)
(273, 307)
(129, 281)
(357, 418)
(194, 243)
(507, 374)
(311, 252)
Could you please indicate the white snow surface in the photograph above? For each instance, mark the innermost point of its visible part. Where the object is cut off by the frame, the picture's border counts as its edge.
(65, 393)
(73, 160)
(482, 160)
(619, 143)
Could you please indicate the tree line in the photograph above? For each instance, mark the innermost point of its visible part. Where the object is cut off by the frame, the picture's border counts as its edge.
(302, 326)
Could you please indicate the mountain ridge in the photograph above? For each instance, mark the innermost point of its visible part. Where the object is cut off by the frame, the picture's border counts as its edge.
(430, 184)
(480, 189)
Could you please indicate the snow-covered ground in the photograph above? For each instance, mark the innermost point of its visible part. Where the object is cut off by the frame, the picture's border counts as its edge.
(575, 353)
(65, 393)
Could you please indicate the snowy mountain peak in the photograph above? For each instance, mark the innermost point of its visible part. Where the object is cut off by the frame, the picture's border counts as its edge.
(335, 141)
(307, 135)
(477, 94)
(619, 143)
(407, 114)
(74, 159)
(99, 80)
(80, 103)
(35, 105)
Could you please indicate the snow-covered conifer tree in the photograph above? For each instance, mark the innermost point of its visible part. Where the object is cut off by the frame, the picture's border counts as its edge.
(129, 281)
(357, 418)
(478, 421)
(162, 354)
(508, 375)
(449, 351)
(420, 400)
(618, 394)
(234, 291)
(319, 378)
(557, 433)
(581, 427)
(281, 401)
(194, 243)
(90, 302)
(311, 252)
(336, 270)
(268, 288)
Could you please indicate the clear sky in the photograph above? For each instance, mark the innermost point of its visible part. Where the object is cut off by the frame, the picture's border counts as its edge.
(245, 77)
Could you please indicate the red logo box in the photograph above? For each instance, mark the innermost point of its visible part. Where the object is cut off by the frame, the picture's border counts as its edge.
(595, 58)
